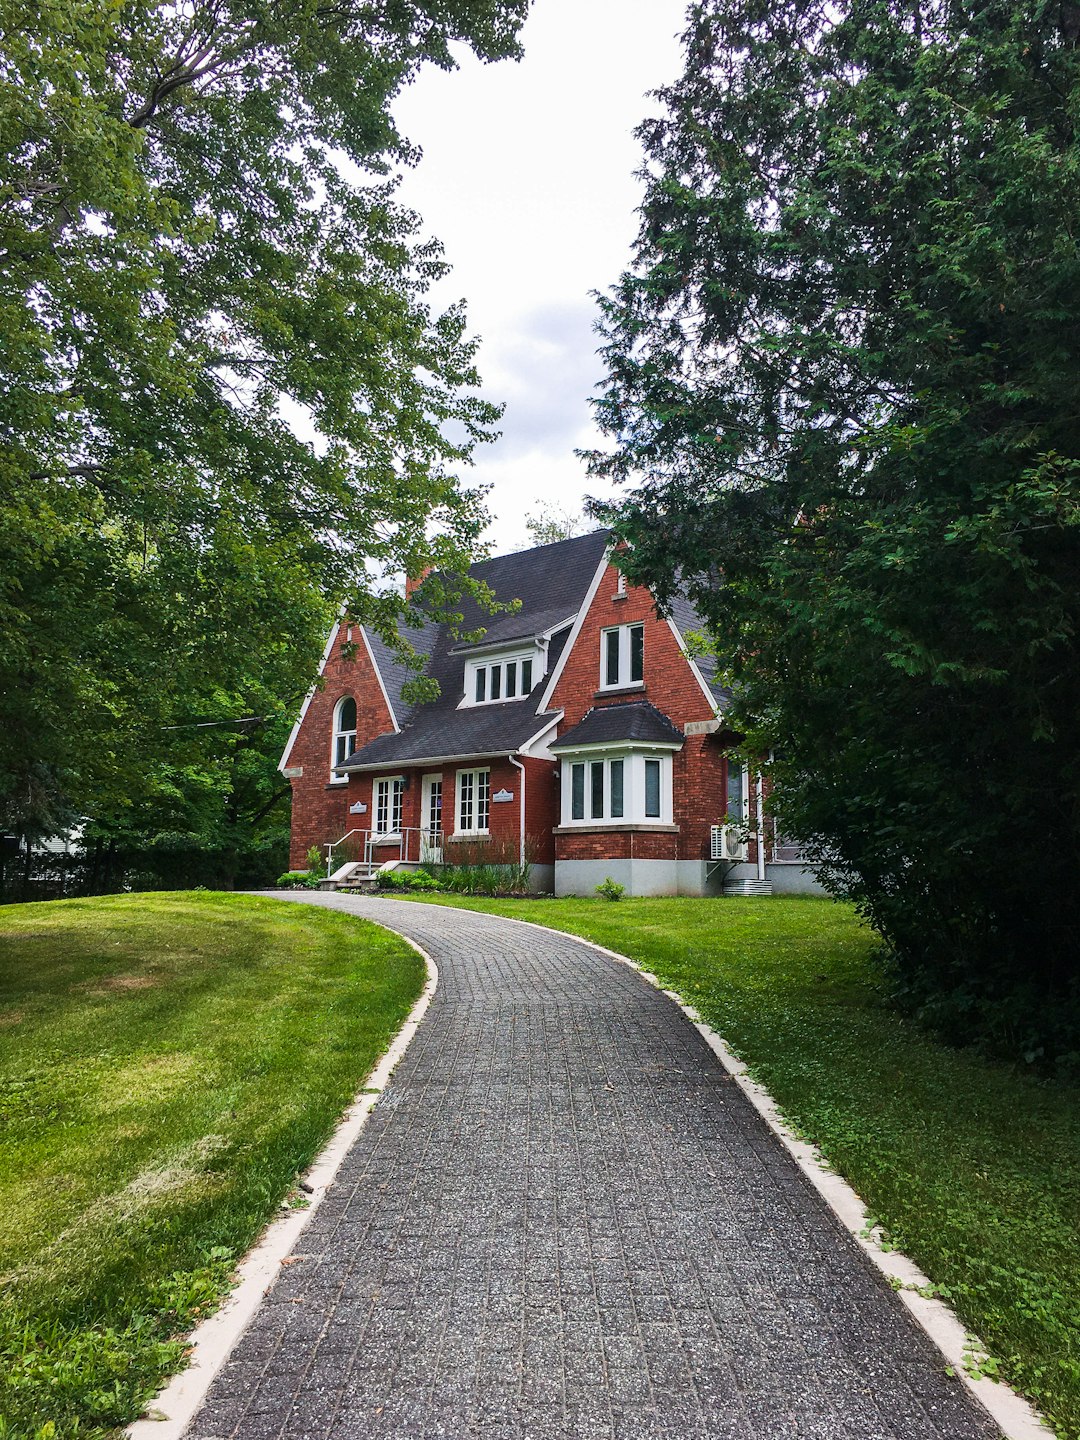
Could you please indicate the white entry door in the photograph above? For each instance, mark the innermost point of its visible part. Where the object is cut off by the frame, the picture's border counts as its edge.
(431, 833)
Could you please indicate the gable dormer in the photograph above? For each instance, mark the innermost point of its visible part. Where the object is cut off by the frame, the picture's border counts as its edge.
(494, 674)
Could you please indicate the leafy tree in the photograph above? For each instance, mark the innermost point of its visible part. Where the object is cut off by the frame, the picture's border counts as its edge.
(844, 370)
(203, 265)
(552, 523)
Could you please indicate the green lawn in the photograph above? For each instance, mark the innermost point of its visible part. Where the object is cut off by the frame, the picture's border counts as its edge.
(167, 1064)
(973, 1169)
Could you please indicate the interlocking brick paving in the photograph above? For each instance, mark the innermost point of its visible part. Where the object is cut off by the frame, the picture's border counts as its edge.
(564, 1219)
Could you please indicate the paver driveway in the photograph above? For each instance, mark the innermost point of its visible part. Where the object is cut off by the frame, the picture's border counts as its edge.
(564, 1219)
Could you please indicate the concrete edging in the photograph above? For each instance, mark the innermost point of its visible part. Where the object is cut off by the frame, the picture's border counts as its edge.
(1017, 1417)
(212, 1340)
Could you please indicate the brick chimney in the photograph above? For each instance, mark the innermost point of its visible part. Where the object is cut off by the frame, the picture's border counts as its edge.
(413, 583)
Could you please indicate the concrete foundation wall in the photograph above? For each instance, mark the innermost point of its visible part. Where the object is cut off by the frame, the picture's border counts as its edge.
(785, 879)
(640, 877)
(696, 877)
(541, 879)
(793, 880)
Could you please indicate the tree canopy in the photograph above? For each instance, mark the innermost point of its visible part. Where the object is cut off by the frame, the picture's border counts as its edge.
(844, 382)
(226, 405)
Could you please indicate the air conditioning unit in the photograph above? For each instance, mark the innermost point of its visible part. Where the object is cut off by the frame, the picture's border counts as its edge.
(727, 842)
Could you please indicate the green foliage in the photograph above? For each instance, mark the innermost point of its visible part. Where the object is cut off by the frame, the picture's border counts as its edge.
(552, 523)
(407, 880)
(298, 880)
(487, 867)
(844, 370)
(316, 864)
(971, 1167)
(610, 889)
(200, 242)
(167, 1066)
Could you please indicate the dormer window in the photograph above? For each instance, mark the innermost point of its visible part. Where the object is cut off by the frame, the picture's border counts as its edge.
(622, 657)
(344, 742)
(503, 677)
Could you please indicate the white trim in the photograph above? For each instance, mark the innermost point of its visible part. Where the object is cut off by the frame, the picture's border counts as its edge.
(378, 676)
(624, 679)
(607, 746)
(519, 766)
(634, 760)
(308, 697)
(379, 836)
(571, 639)
(534, 654)
(211, 1343)
(474, 773)
(1017, 1418)
(525, 748)
(709, 696)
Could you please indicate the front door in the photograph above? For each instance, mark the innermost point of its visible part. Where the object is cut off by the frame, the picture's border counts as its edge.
(431, 833)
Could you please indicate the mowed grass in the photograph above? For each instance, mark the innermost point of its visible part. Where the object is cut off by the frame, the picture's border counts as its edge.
(972, 1168)
(168, 1063)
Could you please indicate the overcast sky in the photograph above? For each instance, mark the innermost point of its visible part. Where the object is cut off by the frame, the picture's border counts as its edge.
(527, 178)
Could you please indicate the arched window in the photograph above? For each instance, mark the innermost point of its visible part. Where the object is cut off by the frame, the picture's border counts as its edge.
(344, 732)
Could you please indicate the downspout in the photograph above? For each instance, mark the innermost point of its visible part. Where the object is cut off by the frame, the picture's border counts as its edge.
(519, 766)
(760, 830)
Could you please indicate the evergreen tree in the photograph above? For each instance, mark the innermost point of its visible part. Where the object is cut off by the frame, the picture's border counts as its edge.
(844, 373)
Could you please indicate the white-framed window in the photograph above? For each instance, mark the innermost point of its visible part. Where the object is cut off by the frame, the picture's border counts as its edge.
(622, 656)
(389, 799)
(505, 677)
(738, 791)
(344, 738)
(473, 802)
(626, 786)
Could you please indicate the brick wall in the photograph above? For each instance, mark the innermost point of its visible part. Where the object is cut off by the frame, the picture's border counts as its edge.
(618, 845)
(320, 810)
(541, 808)
(670, 683)
(698, 770)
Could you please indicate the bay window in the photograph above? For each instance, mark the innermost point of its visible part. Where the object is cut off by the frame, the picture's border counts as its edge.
(605, 789)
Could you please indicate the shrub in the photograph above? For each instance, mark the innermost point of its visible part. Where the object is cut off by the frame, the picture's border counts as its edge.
(610, 889)
(405, 880)
(298, 880)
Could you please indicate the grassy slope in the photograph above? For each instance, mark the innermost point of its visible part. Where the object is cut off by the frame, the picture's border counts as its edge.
(973, 1168)
(167, 1064)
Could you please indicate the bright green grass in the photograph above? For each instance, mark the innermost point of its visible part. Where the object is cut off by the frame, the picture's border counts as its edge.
(168, 1063)
(973, 1169)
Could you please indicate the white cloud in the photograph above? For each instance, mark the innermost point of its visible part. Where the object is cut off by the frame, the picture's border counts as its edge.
(528, 179)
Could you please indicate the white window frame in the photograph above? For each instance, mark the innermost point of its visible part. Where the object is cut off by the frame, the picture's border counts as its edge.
(336, 734)
(394, 802)
(623, 682)
(470, 786)
(488, 665)
(743, 817)
(633, 762)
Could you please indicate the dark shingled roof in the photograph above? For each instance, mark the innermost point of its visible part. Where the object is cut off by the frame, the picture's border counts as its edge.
(630, 720)
(476, 730)
(551, 582)
(690, 622)
(394, 673)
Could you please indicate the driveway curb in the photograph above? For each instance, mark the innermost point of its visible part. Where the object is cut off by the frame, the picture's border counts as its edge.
(213, 1340)
(1017, 1417)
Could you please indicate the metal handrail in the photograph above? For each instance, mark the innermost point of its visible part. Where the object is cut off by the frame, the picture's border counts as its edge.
(426, 838)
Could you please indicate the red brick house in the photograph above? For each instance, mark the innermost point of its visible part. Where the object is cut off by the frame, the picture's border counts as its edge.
(577, 735)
